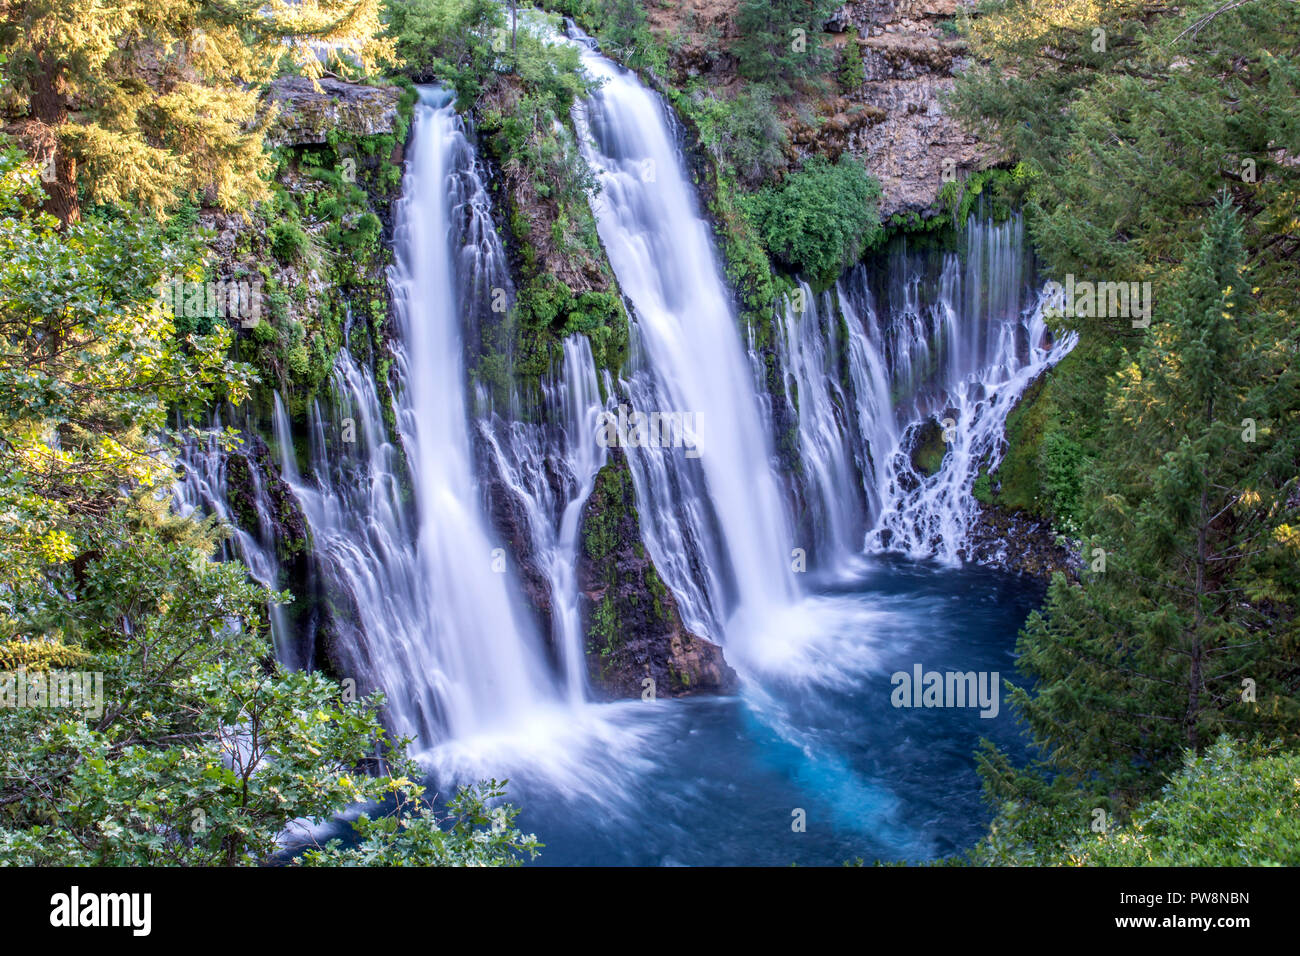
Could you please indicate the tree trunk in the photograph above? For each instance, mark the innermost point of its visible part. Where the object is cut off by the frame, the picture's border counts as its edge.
(1195, 676)
(58, 169)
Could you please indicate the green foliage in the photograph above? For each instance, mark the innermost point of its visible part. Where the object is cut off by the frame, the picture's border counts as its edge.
(549, 311)
(1121, 150)
(820, 219)
(199, 750)
(1147, 655)
(473, 833)
(1061, 463)
(1123, 147)
(146, 103)
(38, 655)
(1000, 190)
(288, 241)
(449, 41)
(928, 448)
(1222, 809)
(777, 42)
(625, 34)
(566, 286)
(852, 73)
(744, 135)
(1231, 806)
(323, 219)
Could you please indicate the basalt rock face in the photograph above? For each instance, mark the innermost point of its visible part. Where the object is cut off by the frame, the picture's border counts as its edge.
(509, 516)
(307, 115)
(633, 629)
(895, 121)
(288, 525)
(910, 55)
(1018, 542)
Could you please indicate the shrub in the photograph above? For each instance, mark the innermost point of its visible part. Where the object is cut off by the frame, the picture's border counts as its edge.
(820, 219)
(288, 241)
(744, 133)
(852, 72)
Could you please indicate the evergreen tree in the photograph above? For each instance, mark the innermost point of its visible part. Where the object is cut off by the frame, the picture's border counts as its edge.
(778, 41)
(1184, 626)
(133, 101)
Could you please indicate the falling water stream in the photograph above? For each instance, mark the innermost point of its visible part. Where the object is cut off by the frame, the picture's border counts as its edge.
(427, 604)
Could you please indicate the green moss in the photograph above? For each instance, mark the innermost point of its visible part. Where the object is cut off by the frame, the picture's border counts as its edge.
(1019, 487)
(604, 630)
(612, 500)
(658, 591)
(929, 449)
(547, 311)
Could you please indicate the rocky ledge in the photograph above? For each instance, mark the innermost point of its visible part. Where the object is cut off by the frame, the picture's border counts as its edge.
(306, 115)
(633, 628)
(1018, 542)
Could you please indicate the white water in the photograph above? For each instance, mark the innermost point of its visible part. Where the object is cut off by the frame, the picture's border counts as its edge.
(551, 469)
(424, 606)
(202, 487)
(426, 611)
(957, 347)
(716, 526)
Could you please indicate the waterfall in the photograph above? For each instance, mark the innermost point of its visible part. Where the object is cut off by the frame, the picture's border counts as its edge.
(716, 525)
(420, 600)
(813, 349)
(203, 487)
(551, 468)
(952, 339)
(424, 607)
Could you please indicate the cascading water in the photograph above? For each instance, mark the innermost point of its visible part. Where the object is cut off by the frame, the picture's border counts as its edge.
(963, 358)
(551, 468)
(813, 351)
(422, 606)
(463, 655)
(716, 525)
(203, 486)
(953, 340)
(425, 604)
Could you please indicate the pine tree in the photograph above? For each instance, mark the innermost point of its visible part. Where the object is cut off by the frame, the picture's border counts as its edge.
(132, 101)
(1184, 626)
(778, 41)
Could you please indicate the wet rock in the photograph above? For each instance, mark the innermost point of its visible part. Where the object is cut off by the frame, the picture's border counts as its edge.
(928, 448)
(1019, 542)
(633, 628)
(509, 516)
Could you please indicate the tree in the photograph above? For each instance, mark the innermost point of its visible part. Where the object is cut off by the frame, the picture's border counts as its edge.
(188, 745)
(451, 41)
(1129, 121)
(132, 102)
(778, 43)
(1185, 627)
(1233, 805)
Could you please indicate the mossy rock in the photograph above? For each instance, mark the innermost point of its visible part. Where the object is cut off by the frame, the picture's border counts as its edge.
(928, 448)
